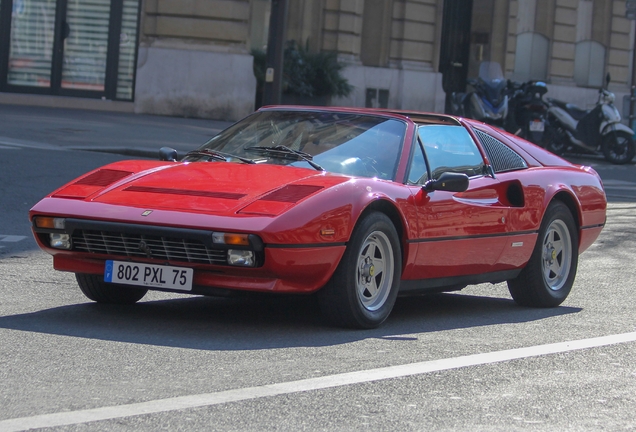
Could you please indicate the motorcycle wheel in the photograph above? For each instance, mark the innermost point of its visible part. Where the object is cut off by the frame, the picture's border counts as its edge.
(553, 142)
(618, 147)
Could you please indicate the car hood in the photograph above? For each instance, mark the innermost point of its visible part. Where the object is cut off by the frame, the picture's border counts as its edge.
(209, 187)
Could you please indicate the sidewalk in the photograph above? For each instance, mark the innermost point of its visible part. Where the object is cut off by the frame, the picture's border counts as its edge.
(122, 133)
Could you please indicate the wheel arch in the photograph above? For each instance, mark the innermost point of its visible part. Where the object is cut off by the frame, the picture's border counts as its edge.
(572, 204)
(390, 210)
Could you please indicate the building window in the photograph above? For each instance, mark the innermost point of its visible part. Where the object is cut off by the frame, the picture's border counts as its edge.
(259, 24)
(377, 98)
(589, 54)
(531, 59)
(80, 48)
(376, 32)
(589, 58)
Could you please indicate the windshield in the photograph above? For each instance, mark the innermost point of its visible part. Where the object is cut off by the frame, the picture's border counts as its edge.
(346, 143)
(490, 71)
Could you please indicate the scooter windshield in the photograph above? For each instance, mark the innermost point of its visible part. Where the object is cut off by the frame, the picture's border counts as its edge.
(493, 82)
(490, 71)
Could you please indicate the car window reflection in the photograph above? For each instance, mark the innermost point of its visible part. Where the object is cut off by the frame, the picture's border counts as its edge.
(346, 143)
(450, 149)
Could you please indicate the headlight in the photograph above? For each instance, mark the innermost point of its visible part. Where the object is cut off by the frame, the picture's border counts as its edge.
(244, 258)
(60, 241)
(611, 113)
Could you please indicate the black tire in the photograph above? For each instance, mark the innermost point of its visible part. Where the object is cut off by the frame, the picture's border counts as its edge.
(618, 147)
(553, 141)
(94, 287)
(549, 275)
(363, 289)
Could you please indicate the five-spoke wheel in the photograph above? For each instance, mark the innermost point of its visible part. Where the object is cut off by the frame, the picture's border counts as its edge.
(375, 271)
(363, 289)
(557, 255)
(549, 275)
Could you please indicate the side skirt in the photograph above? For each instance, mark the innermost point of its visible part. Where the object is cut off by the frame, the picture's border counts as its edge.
(454, 283)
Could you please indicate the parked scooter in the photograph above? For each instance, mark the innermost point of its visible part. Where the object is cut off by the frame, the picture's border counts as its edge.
(488, 102)
(597, 131)
(527, 111)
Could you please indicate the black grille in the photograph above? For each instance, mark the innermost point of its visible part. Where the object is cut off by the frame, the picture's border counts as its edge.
(502, 157)
(146, 246)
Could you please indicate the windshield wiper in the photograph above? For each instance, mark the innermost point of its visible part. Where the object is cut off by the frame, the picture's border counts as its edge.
(284, 150)
(214, 154)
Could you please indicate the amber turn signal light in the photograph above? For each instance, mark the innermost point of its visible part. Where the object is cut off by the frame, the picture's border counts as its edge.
(49, 222)
(231, 239)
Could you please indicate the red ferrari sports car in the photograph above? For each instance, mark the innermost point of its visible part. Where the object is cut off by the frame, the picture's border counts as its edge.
(355, 205)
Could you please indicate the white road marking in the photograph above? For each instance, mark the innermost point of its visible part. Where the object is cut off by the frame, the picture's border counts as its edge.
(18, 143)
(11, 238)
(330, 381)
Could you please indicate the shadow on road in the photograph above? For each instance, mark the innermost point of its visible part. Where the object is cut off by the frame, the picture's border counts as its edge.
(206, 323)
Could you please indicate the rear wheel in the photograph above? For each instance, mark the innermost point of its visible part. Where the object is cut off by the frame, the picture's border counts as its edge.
(618, 147)
(549, 275)
(553, 140)
(363, 289)
(94, 287)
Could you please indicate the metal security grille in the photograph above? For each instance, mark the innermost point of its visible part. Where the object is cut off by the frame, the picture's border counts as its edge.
(502, 157)
(157, 247)
(80, 48)
(31, 48)
(127, 50)
(86, 47)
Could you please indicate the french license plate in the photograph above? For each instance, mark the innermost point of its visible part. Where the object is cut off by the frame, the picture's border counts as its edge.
(149, 275)
(537, 126)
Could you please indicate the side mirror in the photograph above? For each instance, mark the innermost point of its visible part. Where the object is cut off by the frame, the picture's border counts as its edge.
(168, 154)
(449, 182)
(608, 78)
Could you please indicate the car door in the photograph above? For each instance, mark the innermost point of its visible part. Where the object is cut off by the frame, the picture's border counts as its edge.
(459, 233)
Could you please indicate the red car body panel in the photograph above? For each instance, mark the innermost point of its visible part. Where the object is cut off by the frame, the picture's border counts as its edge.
(306, 217)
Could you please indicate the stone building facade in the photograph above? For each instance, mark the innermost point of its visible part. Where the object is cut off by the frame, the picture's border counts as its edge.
(193, 57)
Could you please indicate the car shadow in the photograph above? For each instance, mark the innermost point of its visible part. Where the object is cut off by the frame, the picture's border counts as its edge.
(216, 324)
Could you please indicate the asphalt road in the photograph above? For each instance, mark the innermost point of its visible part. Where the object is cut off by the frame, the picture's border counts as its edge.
(464, 361)
(128, 134)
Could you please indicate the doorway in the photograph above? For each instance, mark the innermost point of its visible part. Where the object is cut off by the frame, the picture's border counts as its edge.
(82, 48)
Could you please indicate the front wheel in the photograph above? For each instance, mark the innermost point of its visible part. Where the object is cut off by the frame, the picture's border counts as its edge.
(363, 289)
(618, 147)
(94, 287)
(549, 275)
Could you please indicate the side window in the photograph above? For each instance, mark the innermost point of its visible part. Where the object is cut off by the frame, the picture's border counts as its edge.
(502, 157)
(418, 174)
(450, 149)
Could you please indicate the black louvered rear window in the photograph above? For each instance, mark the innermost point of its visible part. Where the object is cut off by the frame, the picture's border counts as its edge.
(502, 157)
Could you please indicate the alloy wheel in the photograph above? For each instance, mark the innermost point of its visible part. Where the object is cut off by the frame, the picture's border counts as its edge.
(375, 271)
(557, 255)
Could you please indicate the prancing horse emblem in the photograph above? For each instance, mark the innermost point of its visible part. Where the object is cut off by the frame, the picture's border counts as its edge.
(145, 249)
